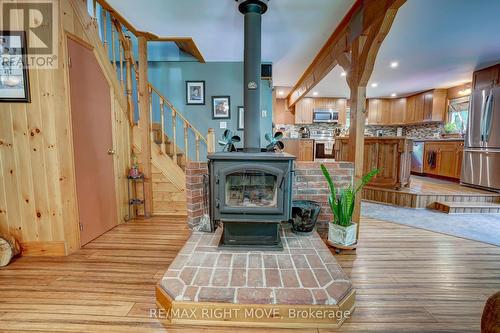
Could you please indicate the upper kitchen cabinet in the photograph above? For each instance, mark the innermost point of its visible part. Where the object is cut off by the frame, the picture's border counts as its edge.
(425, 107)
(303, 111)
(486, 78)
(305, 107)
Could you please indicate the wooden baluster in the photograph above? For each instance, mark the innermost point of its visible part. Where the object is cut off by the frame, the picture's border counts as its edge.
(104, 30)
(128, 64)
(186, 127)
(94, 6)
(162, 125)
(150, 94)
(174, 136)
(121, 67)
(197, 147)
(113, 46)
(211, 141)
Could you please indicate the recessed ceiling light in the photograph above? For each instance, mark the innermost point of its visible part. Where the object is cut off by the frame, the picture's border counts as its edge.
(393, 95)
(374, 85)
(394, 64)
(281, 92)
(315, 93)
(343, 73)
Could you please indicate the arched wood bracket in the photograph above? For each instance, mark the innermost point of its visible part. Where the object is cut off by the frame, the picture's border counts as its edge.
(367, 23)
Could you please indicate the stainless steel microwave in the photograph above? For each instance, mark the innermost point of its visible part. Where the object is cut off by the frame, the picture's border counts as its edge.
(325, 116)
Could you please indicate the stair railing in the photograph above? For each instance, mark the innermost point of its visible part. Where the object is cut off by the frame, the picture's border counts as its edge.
(122, 58)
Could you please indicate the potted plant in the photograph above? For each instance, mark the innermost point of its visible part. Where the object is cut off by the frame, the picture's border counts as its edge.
(342, 230)
(304, 216)
(450, 131)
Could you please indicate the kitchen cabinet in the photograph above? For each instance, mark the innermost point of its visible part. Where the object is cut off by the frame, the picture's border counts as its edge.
(486, 78)
(391, 155)
(303, 149)
(304, 108)
(303, 111)
(443, 158)
(425, 107)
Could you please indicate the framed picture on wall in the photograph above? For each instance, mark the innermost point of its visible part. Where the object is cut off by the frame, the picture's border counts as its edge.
(221, 107)
(195, 92)
(241, 118)
(14, 80)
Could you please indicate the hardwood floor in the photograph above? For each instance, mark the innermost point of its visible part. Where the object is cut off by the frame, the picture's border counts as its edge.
(407, 280)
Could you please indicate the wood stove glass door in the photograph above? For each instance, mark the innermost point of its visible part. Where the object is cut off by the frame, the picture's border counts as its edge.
(256, 190)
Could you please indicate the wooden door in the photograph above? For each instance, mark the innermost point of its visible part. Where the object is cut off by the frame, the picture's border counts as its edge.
(398, 109)
(447, 159)
(92, 138)
(373, 111)
(385, 112)
(410, 110)
(306, 150)
(419, 108)
(431, 150)
(428, 98)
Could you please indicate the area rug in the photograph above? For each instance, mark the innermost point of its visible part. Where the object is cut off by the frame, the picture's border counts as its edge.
(483, 228)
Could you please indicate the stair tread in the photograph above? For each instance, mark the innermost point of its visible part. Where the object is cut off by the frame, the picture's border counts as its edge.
(458, 204)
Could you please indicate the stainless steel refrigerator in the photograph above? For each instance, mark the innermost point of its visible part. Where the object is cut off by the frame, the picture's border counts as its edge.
(481, 163)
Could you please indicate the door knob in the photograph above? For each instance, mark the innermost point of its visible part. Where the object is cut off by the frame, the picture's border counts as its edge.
(111, 151)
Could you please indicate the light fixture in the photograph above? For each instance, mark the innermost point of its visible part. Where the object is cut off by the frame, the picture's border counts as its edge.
(394, 64)
(315, 93)
(374, 85)
(281, 92)
(343, 73)
(393, 95)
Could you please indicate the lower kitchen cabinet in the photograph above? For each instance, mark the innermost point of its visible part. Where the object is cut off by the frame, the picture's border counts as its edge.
(443, 158)
(303, 149)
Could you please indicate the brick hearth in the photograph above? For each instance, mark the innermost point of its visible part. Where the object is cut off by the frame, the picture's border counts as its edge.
(305, 272)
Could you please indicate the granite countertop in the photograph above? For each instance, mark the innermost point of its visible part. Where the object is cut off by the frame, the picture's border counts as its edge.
(437, 140)
(297, 139)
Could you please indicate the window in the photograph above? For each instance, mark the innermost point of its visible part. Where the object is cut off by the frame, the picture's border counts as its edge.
(458, 112)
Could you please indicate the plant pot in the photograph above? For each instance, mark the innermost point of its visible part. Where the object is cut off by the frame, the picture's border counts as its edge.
(341, 235)
(304, 216)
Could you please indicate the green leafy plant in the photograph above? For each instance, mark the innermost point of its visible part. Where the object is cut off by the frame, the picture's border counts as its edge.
(341, 201)
(450, 128)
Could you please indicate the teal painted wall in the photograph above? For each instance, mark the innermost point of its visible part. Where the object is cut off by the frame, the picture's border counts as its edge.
(221, 79)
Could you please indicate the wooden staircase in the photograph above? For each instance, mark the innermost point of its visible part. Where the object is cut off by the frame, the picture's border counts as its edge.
(169, 154)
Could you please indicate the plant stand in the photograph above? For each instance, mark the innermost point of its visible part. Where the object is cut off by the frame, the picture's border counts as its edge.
(133, 200)
(338, 247)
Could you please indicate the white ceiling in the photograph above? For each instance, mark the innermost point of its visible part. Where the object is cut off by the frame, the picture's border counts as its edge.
(438, 43)
(292, 30)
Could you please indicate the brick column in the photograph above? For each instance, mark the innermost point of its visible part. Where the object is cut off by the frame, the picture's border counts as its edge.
(310, 184)
(194, 191)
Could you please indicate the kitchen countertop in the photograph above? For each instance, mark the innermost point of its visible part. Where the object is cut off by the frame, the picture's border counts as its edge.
(297, 139)
(402, 137)
(437, 140)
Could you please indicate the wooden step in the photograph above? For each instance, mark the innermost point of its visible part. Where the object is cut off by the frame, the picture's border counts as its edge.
(467, 207)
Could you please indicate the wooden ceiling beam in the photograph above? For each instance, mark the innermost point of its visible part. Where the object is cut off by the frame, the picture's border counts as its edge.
(358, 21)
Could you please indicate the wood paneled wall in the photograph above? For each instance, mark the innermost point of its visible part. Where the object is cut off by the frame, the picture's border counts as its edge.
(38, 203)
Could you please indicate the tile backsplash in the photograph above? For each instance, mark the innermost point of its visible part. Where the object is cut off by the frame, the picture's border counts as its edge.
(423, 131)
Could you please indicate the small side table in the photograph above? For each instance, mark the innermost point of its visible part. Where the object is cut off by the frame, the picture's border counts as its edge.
(134, 201)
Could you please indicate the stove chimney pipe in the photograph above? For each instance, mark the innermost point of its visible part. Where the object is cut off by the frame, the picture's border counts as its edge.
(252, 11)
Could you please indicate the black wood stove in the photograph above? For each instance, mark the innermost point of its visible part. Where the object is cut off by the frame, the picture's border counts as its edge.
(250, 190)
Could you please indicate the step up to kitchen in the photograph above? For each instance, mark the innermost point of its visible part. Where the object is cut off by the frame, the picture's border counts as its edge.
(450, 207)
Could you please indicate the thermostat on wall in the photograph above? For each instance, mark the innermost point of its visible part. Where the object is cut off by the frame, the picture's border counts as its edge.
(223, 124)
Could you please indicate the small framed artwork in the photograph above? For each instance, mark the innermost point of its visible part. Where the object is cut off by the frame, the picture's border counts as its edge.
(14, 80)
(241, 118)
(195, 92)
(221, 106)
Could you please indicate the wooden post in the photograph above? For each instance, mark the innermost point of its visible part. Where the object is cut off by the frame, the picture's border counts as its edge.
(211, 141)
(197, 147)
(104, 30)
(174, 135)
(186, 143)
(113, 46)
(162, 126)
(121, 68)
(129, 89)
(145, 124)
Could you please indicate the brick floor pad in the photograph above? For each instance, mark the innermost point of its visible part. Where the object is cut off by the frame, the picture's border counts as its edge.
(305, 272)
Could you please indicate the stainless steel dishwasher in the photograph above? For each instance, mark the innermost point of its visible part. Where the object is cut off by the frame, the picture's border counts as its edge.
(417, 157)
